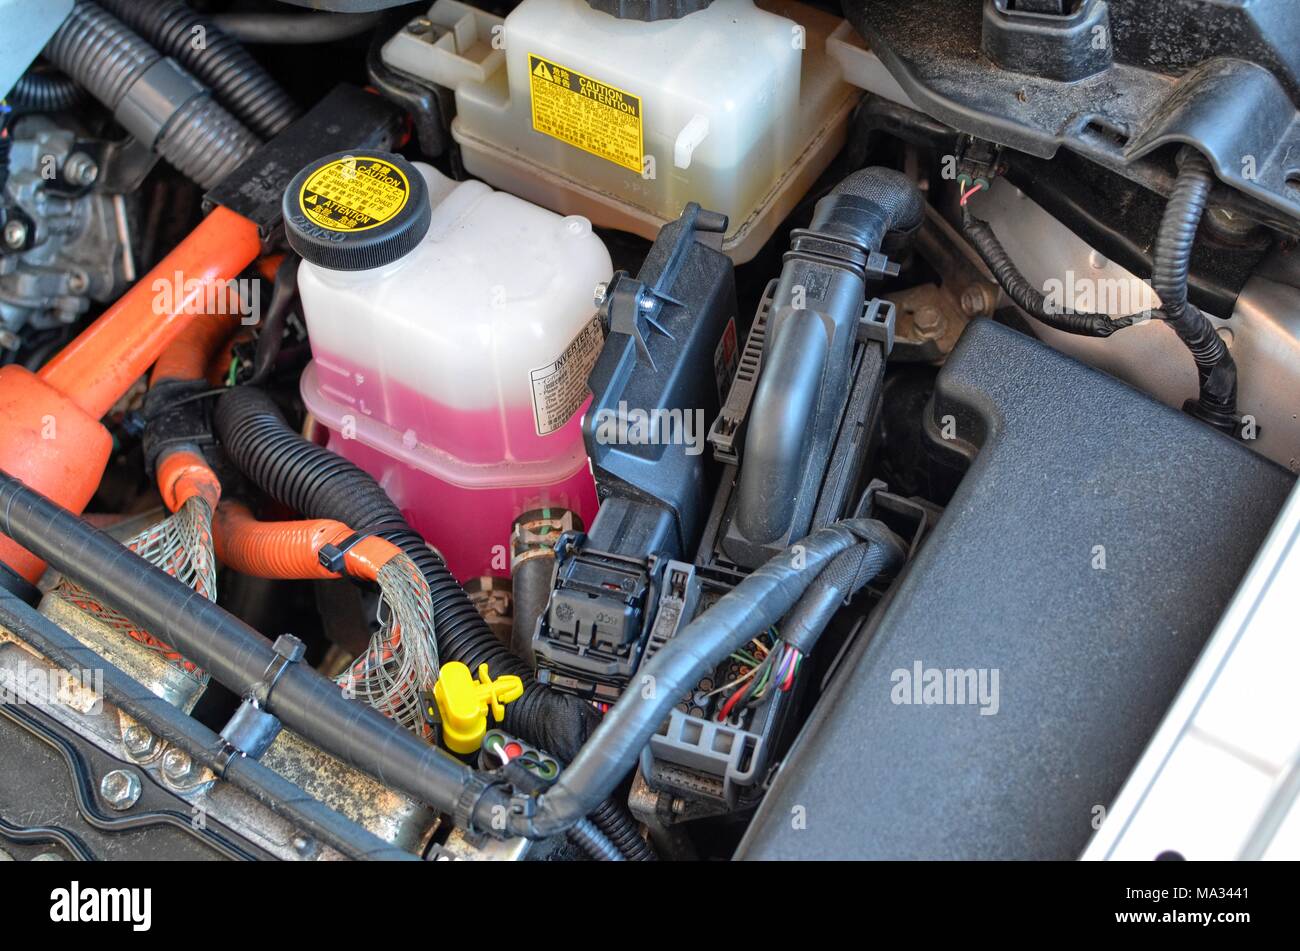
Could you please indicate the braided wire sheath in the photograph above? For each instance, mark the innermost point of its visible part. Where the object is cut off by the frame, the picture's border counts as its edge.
(238, 81)
(180, 545)
(1027, 297)
(1215, 366)
(101, 53)
(401, 665)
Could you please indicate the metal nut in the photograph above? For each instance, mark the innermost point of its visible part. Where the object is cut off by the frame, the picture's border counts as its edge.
(978, 300)
(120, 788)
(80, 170)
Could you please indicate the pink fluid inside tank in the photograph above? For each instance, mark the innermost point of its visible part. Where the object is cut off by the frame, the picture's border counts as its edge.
(466, 510)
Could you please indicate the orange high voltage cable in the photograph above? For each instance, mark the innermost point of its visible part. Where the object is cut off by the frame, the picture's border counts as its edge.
(50, 434)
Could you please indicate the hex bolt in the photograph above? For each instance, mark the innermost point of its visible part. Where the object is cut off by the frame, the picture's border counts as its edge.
(177, 765)
(120, 788)
(15, 234)
(80, 170)
(139, 742)
(929, 321)
(602, 290)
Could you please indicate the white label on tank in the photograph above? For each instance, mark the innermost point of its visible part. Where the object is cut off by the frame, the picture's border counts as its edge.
(560, 388)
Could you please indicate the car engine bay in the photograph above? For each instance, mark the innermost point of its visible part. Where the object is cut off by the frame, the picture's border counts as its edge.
(553, 430)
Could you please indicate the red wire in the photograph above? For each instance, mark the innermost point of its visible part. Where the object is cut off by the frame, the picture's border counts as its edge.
(733, 699)
(965, 196)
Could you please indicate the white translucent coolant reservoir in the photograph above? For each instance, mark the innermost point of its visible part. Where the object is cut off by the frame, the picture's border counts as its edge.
(626, 116)
(452, 328)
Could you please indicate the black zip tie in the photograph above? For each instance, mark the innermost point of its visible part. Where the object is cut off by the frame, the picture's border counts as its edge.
(332, 557)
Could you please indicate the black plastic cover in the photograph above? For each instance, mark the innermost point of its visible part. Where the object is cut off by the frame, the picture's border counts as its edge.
(1072, 467)
(346, 118)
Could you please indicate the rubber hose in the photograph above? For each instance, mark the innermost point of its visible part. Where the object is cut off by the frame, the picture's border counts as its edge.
(237, 80)
(318, 483)
(849, 573)
(590, 839)
(101, 53)
(1172, 266)
(44, 92)
(758, 602)
(530, 586)
(235, 654)
(1027, 297)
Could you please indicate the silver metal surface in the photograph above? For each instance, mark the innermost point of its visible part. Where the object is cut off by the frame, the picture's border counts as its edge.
(1220, 778)
(80, 251)
(388, 814)
(1264, 331)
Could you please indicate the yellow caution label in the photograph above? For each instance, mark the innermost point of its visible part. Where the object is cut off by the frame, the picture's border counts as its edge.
(586, 113)
(354, 193)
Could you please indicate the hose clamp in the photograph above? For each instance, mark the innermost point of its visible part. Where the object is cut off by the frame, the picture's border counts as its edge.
(250, 732)
(288, 650)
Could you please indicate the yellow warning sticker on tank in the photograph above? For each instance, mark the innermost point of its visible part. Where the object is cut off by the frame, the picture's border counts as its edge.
(586, 113)
(354, 193)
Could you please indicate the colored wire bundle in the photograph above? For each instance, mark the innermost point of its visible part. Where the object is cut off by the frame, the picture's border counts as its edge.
(771, 667)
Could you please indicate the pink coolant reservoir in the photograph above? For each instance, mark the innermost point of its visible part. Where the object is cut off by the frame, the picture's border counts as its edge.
(452, 328)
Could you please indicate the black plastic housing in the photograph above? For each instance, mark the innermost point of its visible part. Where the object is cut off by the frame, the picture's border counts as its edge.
(1086, 556)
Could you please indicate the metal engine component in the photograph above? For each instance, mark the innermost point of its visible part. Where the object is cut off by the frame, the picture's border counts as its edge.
(67, 238)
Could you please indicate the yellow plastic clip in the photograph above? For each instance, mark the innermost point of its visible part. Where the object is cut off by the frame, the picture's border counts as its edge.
(463, 703)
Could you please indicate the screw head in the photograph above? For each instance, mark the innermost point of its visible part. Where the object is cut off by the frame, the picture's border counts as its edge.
(419, 26)
(601, 291)
(177, 765)
(120, 788)
(15, 234)
(139, 742)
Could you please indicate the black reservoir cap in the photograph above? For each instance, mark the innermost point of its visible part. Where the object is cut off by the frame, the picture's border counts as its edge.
(356, 210)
